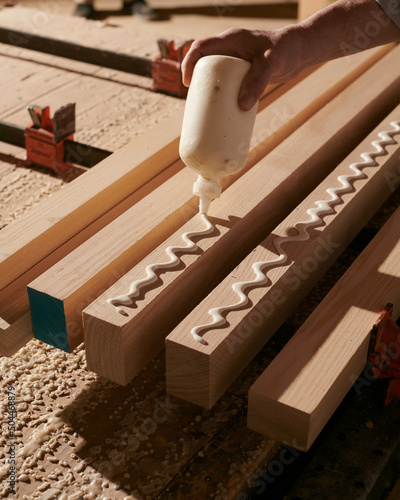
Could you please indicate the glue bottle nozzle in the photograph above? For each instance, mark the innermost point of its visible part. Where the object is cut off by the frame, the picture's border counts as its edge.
(204, 204)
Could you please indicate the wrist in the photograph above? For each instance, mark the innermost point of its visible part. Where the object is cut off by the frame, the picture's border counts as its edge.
(290, 53)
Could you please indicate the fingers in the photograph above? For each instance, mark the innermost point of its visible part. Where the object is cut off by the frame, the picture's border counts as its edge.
(253, 46)
(254, 83)
(229, 43)
(189, 63)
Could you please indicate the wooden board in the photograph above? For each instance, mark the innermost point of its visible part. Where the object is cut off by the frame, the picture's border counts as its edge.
(110, 36)
(30, 82)
(298, 392)
(118, 346)
(232, 346)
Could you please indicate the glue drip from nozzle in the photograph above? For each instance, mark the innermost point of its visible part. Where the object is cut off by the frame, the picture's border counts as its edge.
(204, 204)
(207, 190)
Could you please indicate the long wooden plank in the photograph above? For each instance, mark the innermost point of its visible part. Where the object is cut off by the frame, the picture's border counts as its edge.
(299, 391)
(75, 29)
(27, 79)
(119, 346)
(78, 52)
(292, 265)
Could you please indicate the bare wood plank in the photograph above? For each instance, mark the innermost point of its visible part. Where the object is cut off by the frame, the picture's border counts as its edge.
(119, 346)
(100, 104)
(143, 42)
(201, 373)
(299, 391)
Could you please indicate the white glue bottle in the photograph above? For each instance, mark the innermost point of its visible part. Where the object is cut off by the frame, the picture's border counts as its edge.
(216, 133)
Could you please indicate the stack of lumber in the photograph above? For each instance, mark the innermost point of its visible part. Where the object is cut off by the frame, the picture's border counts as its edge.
(114, 343)
(201, 373)
(298, 392)
(88, 242)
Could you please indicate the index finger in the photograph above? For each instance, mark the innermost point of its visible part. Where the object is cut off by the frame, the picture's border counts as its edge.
(188, 64)
(219, 44)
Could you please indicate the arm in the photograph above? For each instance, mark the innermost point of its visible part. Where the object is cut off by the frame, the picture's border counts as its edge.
(344, 27)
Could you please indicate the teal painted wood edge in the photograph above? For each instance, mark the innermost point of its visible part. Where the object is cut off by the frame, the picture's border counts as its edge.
(48, 319)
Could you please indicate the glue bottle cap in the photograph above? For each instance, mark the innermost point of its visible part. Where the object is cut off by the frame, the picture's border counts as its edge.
(207, 190)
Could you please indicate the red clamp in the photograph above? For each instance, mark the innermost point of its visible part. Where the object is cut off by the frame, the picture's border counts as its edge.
(167, 74)
(44, 137)
(384, 352)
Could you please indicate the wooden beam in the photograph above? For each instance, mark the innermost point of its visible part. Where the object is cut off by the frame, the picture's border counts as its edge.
(119, 346)
(201, 373)
(299, 391)
(58, 296)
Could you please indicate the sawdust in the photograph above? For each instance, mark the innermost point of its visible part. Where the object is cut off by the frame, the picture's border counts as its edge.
(78, 436)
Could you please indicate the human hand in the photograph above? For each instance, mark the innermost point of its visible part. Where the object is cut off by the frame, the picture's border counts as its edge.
(272, 54)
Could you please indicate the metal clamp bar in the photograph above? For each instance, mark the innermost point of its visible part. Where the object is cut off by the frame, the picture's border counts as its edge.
(12, 134)
(82, 154)
(100, 57)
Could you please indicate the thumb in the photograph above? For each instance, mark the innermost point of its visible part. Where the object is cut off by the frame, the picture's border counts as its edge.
(253, 85)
